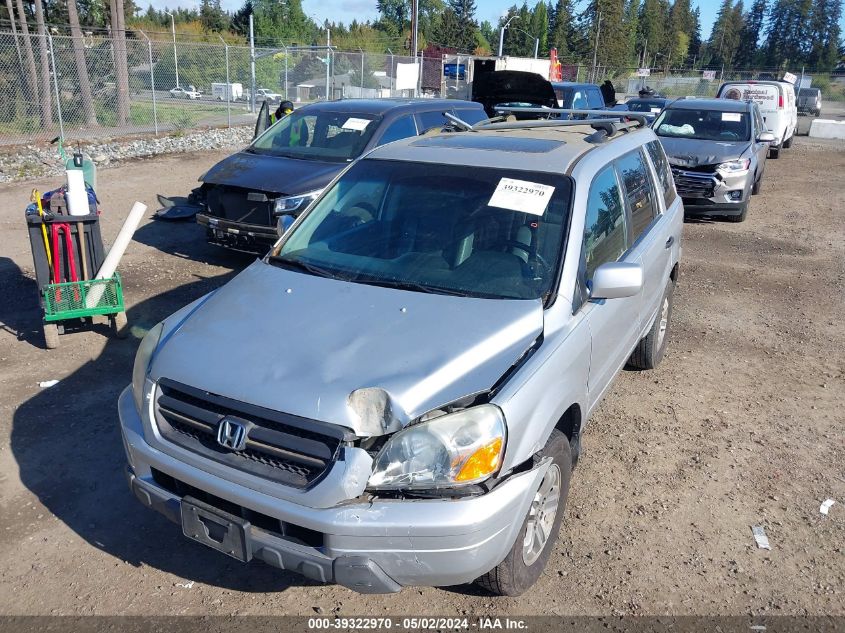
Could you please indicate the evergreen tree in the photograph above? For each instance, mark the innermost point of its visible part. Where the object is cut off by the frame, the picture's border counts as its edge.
(753, 21)
(464, 11)
(540, 28)
(695, 44)
(394, 15)
(823, 53)
(613, 49)
(724, 39)
(562, 32)
(446, 30)
(651, 29)
(212, 16)
(240, 19)
(785, 35)
(632, 21)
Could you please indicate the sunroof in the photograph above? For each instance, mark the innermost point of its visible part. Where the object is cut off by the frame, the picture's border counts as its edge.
(468, 140)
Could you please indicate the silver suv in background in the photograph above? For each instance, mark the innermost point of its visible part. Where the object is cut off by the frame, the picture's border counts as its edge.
(395, 395)
(717, 149)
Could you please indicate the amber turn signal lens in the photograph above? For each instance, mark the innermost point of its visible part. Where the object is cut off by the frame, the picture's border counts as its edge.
(482, 462)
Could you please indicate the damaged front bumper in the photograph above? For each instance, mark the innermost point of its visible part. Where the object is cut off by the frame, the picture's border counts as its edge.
(713, 192)
(238, 235)
(370, 546)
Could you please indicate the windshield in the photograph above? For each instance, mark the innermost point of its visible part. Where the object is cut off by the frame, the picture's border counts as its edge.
(447, 229)
(704, 125)
(571, 98)
(328, 136)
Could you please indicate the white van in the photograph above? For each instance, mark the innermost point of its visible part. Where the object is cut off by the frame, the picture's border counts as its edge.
(777, 105)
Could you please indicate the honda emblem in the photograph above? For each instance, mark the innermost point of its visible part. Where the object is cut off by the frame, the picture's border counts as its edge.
(231, 434)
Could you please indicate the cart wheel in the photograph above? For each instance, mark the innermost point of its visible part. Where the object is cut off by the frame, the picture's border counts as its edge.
(51, 335)
(118, 325)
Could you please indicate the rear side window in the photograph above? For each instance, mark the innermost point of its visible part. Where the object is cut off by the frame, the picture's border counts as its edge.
(605, 230)
(471, 116)
(638, 191)
(664, 173)
(594, 99)
(403, 127)
(429, 120)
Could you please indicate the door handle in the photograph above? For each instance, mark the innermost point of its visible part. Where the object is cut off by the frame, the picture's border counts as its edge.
(670, 241)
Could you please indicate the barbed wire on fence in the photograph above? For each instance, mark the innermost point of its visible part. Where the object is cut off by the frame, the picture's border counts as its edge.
(55, 85)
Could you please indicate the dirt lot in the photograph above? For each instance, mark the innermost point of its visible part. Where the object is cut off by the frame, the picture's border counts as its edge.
(741, 425)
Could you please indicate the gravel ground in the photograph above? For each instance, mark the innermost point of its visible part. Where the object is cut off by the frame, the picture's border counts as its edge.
(741, 425)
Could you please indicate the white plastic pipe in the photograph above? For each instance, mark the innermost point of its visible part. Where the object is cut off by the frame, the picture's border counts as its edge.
(121, 242)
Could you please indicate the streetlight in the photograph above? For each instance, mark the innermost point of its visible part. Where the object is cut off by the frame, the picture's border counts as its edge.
(175, 60)
(502, 34)
(536, 39)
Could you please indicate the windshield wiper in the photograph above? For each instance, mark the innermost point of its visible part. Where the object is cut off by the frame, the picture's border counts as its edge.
(411, 285)
(298, 264)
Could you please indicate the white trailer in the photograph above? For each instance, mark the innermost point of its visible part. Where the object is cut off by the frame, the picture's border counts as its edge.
(219, 91)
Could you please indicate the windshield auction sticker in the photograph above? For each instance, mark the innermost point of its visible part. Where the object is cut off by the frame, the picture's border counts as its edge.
(734, 117)
(521, 195)
(355, 124)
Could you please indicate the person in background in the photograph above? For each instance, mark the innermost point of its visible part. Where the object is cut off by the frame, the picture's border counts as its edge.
(284, 109)
(608, 93)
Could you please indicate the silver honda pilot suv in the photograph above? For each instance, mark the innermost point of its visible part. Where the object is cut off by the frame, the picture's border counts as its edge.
(395, 394)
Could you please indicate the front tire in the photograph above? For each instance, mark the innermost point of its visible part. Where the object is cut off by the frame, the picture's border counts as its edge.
(530, 553)
(788, 142)
(649, 351)
(774, 153)
(757, 186)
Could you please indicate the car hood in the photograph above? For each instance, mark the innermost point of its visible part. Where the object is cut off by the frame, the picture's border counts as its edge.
(509, 86)
(367, 358)
(276, 174)
(685, 152)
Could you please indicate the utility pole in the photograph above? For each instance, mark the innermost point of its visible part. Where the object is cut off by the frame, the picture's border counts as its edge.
(252, 64)
(328, 62)
(415, 18)
(228, 85)
(175, 58)
(596, 49)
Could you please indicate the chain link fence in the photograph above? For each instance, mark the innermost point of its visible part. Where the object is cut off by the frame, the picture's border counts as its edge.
(93, 87)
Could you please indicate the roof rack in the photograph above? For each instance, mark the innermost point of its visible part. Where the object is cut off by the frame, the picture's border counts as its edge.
(605, 126)
(602, 115)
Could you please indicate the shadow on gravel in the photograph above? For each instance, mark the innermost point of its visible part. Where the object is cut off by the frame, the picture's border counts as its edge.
(67, 445)
(186, 239)
(20, 318)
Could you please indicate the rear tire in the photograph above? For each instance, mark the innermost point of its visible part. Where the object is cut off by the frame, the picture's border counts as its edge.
(774, 153)
(534, 544)
(649, 351)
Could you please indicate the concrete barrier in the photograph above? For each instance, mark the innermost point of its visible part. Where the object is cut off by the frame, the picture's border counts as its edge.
(826, 128)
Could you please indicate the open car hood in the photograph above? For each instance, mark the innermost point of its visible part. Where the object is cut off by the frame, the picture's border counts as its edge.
(510, 86)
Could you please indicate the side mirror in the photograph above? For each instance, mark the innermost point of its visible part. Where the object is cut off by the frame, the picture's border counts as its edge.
(616, 280)
(766, 137)
(284, 222)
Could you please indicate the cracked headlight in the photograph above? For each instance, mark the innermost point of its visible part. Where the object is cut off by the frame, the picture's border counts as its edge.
(142, 364)
(456, 449)
(734, 166)
(295, 203)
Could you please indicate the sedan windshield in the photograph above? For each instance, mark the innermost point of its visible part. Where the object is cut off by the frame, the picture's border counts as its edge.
(434, 228)
(704, 125)
(328, 136)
